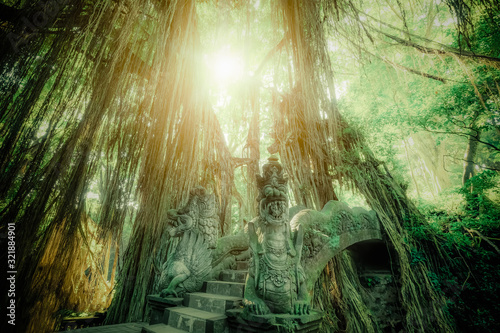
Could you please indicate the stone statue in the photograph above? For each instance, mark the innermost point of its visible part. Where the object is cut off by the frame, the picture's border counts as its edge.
(199, 214)
(187, 268)
(197, 225)
(276, 280)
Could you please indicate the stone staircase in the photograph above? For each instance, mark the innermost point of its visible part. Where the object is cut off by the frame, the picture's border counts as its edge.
(204, 312)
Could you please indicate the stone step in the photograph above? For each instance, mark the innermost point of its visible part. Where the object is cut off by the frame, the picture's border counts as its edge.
(271, 323)
(158, 304)
(161, 328)
(196, 321)
(226, 288)
(241, 265)
(230, 275)
(212, 302)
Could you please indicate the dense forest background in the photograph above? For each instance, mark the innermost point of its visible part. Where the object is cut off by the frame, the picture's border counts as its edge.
(110, 111)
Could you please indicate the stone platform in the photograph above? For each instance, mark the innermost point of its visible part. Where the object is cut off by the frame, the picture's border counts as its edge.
(240, 322)
(118, 328)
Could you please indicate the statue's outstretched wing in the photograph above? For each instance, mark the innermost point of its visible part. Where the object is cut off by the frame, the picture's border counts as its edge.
(198, 261)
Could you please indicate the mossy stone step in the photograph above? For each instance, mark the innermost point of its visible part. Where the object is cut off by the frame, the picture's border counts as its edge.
(196, 321)
(241, 265)
(161, 328)
(230, 275)
(226, 288)
(212, 302)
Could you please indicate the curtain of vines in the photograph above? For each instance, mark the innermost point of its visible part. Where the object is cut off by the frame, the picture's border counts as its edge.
(333, 151)
(114, 92)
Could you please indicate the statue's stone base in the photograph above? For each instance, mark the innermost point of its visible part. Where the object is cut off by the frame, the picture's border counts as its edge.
(158, 305)
(240, 322)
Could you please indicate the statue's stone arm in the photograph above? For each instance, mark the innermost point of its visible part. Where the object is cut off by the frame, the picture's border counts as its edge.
(302, 304)
(252, 302)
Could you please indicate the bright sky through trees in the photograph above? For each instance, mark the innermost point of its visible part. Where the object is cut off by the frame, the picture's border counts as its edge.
(225, 67)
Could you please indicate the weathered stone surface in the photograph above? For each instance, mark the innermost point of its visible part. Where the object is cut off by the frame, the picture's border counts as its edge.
(287, 257)
(229, 251)
(196, 321)
(187, 268)
(158, 305)
(330, 231)
(199, 214)
(212, 302)
(243, 322)
(242, 265)
(190, 264)
(226, 288)
(234, 276)
(159, 328)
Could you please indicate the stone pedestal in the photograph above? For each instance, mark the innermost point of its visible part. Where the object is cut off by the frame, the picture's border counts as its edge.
(240, 322)
(158, 305)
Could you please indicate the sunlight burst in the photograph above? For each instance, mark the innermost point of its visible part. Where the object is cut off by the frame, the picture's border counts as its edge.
(227, 67)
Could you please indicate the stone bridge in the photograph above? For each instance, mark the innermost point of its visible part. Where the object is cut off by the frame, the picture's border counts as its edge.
(330, 231)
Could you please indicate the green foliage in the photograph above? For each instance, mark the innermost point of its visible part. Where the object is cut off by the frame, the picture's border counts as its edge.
(371, 281)
(470, 279)
(475, 194)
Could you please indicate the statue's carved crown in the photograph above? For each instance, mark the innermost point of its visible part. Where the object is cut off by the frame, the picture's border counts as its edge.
(273, 182)
(273, 197)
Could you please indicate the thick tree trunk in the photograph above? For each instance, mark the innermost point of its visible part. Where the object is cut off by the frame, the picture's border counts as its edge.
(253, 144)
(470, 154)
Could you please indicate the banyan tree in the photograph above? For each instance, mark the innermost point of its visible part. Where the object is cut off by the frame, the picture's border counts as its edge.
(110, 112)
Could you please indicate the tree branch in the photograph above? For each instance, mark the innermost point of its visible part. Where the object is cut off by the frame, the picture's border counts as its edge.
(466, 135)
(411, 70)
(240, 161)
(414, 71)
(269, 56)
(470, 231)
(424, 49)
(463, 160)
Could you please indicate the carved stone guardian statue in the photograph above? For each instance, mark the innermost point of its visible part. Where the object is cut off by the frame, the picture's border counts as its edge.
(197, 227)
(276, 280)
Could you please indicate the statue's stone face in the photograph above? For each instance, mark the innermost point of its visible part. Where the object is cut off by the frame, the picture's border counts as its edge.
(207, 206)
(273, 195)
(274, 212)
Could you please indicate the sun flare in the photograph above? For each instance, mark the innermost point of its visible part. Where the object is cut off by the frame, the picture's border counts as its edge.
(226, 67)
